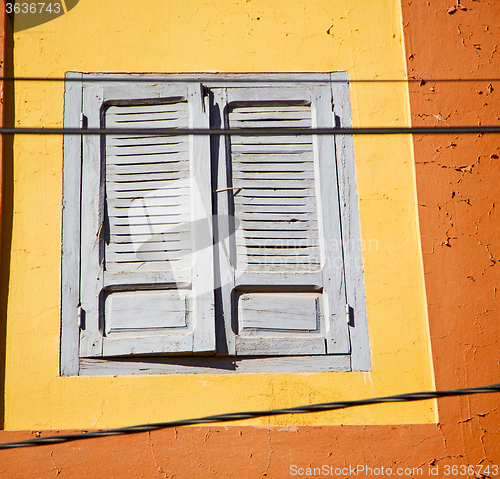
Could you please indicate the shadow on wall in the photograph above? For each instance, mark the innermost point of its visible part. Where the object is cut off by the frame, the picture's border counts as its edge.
(7, 201)
(22, 16)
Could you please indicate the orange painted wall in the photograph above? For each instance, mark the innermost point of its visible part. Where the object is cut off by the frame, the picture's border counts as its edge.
(458, 196)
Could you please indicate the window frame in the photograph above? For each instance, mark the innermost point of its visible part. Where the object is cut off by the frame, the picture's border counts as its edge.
(359, 357)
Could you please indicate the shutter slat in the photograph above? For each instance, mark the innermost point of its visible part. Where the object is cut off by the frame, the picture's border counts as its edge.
(270, 178)
(144, 139)
(275, 167)
(292, 112)
(271, 149)
(274, 265)
(275, 243)
(119, 239)
(173, 253)
(276, 234)
(169, 198)
(269, 208)
(149, 229)
(272, 184)
(175, 105)
(172, 265)
(157, 166)
(179, 244)
(145, 123)
(123, 145)
(240, 143)
(150, 116)
(266, 192)
(151, 211)
(270, 123)
(278, 219)
(145, 185)
(174, 192)
(138, 160)
(124, 180)
(266, 253)
(257, 202)
(286, 158)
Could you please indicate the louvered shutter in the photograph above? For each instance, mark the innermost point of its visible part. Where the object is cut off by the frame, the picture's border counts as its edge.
(287, 289)
(147, 265)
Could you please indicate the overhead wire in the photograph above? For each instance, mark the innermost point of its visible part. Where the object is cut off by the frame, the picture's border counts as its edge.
(240, 416)
(233, 78)
(260, 131)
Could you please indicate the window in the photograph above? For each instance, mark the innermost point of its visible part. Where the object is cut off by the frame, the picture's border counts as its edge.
(190, 251)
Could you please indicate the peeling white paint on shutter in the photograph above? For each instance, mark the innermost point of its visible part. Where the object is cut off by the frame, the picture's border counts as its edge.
(148, 190)
(143, 284)
(274, 185)
(284, 194)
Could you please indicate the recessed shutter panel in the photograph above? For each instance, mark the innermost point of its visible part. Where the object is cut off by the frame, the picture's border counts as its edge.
(148, 190)
(275, 199)
(289, 295)
(150, 250)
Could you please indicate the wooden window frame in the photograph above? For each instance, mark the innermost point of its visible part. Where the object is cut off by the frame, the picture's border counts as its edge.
(357, 358)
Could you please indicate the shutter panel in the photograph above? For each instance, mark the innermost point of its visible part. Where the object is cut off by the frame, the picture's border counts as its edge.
(275, 202)
(288, 292)
(147, 282)
(148, 190)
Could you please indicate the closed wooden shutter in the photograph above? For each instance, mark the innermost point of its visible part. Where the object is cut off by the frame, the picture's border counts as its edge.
(147, 271)
(288, 292)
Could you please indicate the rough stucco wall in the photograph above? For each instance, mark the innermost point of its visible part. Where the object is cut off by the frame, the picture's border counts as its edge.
(255, 452)
(457, 192)
(458, 195)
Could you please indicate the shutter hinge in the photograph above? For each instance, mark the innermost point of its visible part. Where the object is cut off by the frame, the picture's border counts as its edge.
(336, 119)
(83, 121)
(348, 314)
(81, 317)
(205, 98)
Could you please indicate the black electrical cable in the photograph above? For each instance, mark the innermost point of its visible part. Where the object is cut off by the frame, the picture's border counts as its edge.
(229, 78)
(417, 130)
(239, 416)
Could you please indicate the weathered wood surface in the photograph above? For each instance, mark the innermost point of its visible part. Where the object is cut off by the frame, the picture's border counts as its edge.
(211, 365)
(284, 192)
(70, 261)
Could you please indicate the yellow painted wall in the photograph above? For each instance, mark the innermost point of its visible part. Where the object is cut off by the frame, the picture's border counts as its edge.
(360, 36)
